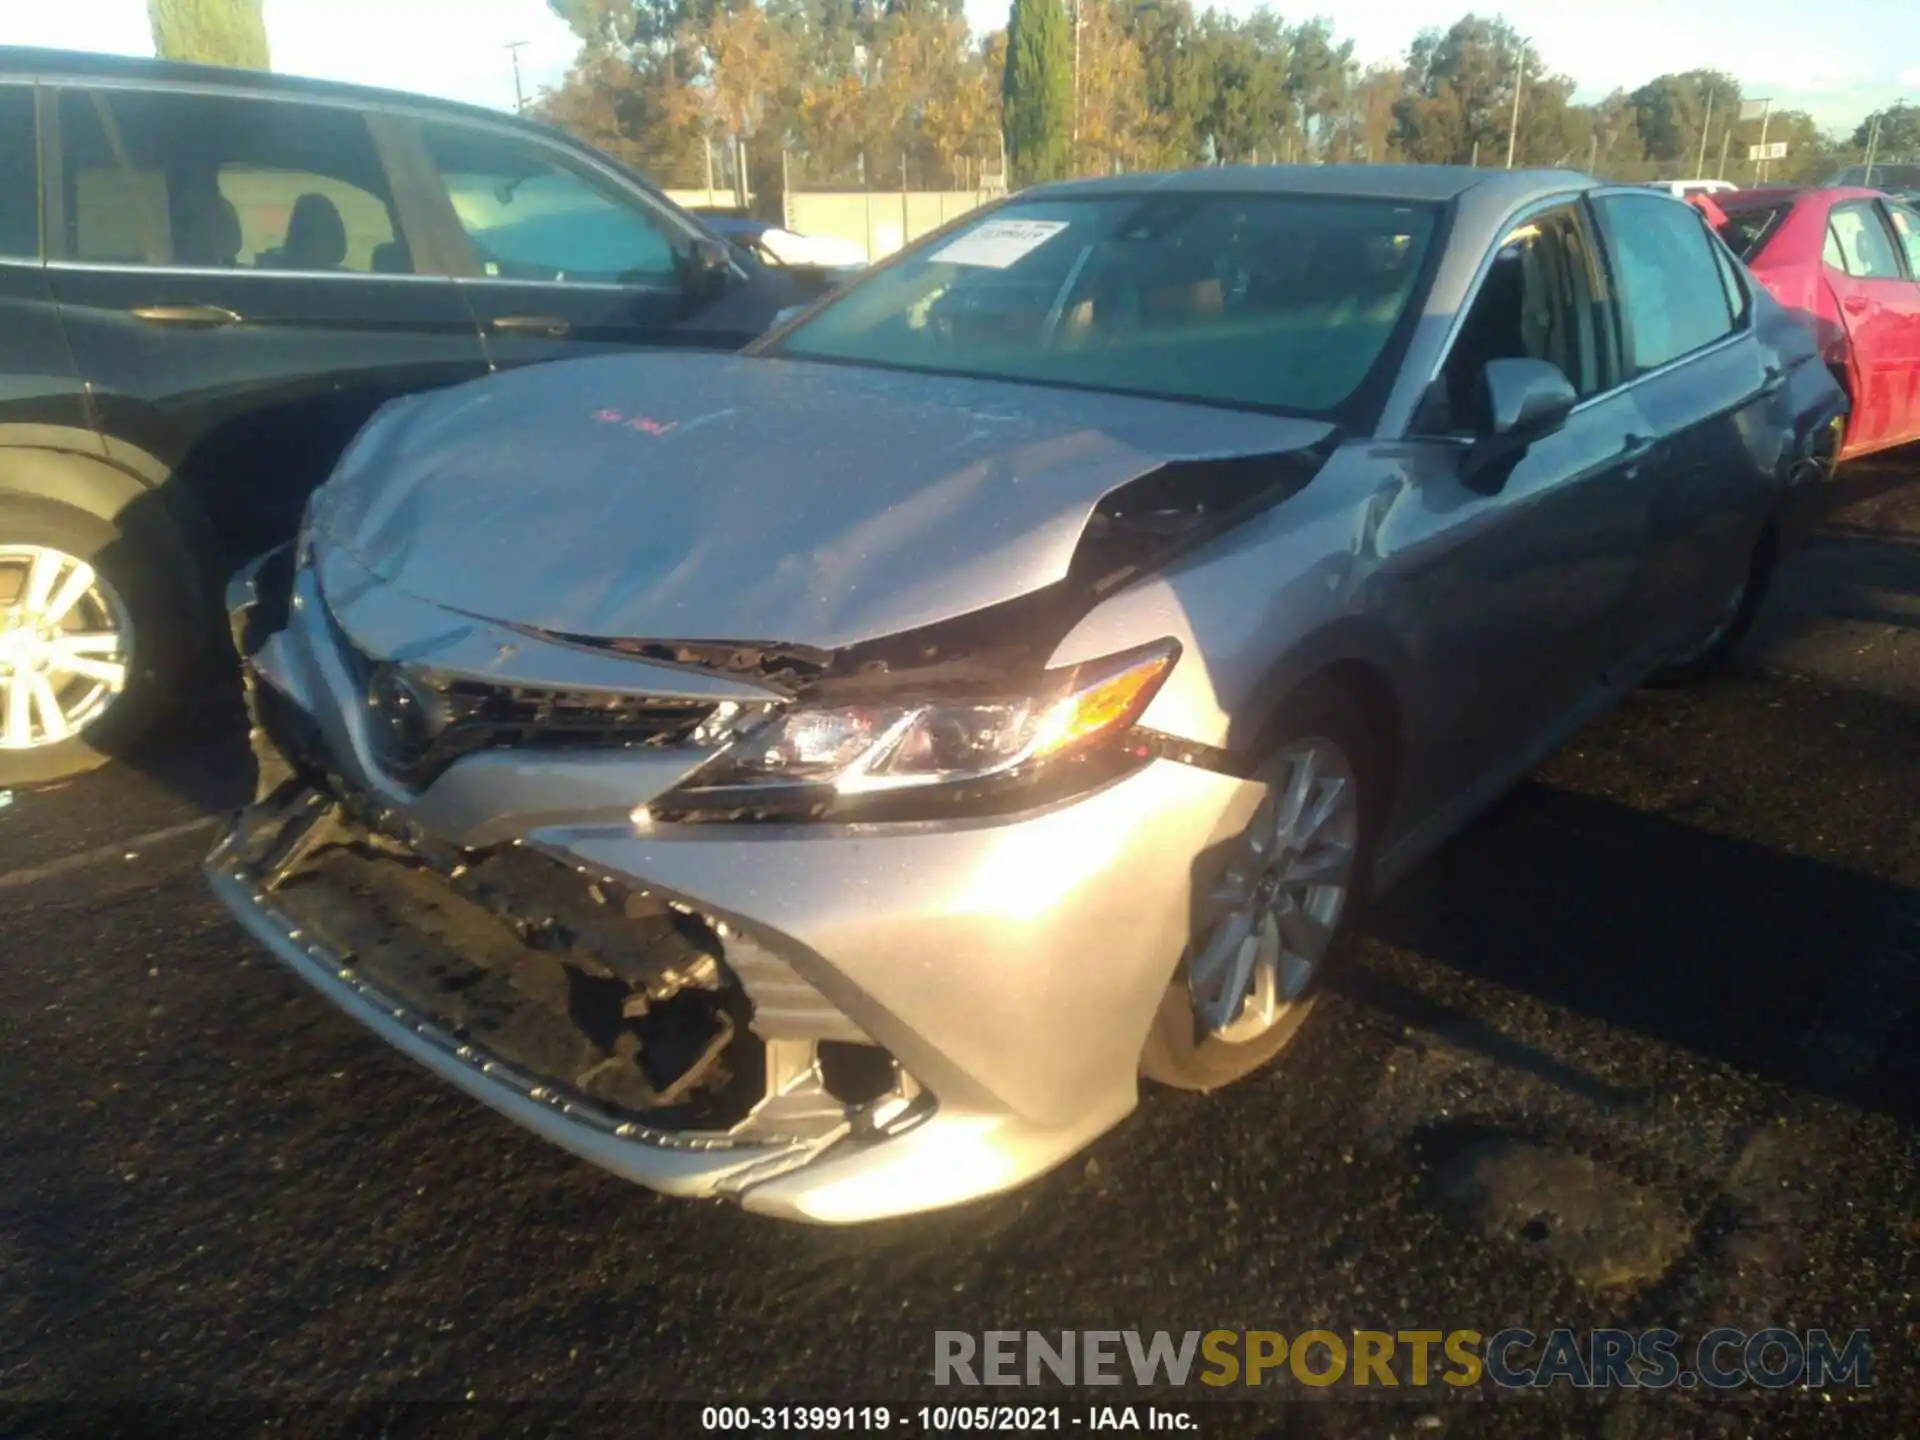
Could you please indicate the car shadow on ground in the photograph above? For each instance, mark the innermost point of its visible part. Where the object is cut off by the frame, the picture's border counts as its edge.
(1786, 968)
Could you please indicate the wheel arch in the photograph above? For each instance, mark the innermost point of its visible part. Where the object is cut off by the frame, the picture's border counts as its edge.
(1357, 661)
(155, 518)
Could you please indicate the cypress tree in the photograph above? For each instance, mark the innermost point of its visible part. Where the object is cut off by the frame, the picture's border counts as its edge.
(1038, 89)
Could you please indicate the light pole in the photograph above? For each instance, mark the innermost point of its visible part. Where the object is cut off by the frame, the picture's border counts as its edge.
(519, 98)
(1873, 140)
(1519, 83)
(1700, 165)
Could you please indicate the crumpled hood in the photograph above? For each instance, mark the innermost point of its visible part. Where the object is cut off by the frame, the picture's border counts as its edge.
(716, 497)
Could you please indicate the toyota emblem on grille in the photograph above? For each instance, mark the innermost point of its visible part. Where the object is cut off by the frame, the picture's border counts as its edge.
(410, 711)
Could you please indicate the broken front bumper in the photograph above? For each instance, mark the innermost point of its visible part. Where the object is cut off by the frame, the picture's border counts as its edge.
(1007, 969)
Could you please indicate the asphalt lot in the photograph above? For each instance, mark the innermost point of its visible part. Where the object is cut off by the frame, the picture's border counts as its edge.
(1642, 1048)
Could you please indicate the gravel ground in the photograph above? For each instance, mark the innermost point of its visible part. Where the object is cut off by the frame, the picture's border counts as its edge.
(1641, 1048)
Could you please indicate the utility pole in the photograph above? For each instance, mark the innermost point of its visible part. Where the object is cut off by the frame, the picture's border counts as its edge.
(1593, 150)
(1765, 116)
(1519, 83)
(519, 96)
(1076, 71)
(1873, 139)
(1700, 165)
(1726, 139)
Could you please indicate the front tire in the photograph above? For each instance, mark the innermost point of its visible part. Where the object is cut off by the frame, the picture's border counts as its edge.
(91, 627)
(1277, 913)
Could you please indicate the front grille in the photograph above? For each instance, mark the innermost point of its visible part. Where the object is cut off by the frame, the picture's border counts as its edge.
(462, 717)
(479, 716)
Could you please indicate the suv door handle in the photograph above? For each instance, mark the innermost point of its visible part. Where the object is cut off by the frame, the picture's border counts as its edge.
(187, 314)
(551, 325)
(1854, 304)
(1636, 446)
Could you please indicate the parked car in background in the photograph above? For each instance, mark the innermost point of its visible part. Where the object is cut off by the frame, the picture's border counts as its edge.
(1879, 176)
(210, 279)
(837, 808)
(1847, 261)
(1683, 189)
(778, 246)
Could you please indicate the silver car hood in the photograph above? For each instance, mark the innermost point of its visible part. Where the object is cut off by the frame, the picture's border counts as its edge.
(717, 497)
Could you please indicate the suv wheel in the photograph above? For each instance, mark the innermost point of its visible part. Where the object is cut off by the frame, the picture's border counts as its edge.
(81, 640)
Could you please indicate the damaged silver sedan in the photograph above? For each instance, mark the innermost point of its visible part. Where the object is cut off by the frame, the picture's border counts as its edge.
(829, 777)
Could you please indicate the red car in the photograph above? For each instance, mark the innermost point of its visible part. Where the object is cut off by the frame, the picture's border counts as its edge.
(1848, 261)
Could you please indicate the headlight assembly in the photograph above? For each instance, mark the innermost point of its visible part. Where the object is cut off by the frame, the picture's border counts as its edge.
(921, 756)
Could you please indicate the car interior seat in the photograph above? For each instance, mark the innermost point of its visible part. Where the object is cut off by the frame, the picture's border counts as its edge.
(316, 237)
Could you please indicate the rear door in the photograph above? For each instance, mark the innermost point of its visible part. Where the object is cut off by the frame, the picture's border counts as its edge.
(240, 291)
(1869, 278)
(42, 402)
(1906, 229)
(561, 257)
(1702, 382)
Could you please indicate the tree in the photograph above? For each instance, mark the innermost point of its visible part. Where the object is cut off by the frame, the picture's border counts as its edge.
(1117, 127)
(214, 32)
(1460, 95)
(1671, 112)
(1899, 137)
(1038, 91)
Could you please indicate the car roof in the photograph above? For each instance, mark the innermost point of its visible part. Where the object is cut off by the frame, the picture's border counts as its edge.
(86, 65)
(1372, 182)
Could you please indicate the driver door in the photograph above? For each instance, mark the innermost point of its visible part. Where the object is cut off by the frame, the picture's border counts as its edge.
(1517, 594)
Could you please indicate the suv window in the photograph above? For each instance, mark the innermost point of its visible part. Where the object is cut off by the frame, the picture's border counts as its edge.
(19, 174)
(529, 217)
(159, 178)
(1667, 277)
(1538, 301)
(1866, 250)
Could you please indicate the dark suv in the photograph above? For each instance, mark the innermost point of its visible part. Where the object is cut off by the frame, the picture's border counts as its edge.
(209, 280)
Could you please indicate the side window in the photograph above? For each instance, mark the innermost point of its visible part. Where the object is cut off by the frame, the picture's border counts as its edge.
(156, 178)
(1906, 224)
(1866, 250)
(19, 174)
(1538, 300)
(531, 217)
(1667, 276)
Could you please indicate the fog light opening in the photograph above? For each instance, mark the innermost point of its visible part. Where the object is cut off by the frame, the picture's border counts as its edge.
(856, 1074)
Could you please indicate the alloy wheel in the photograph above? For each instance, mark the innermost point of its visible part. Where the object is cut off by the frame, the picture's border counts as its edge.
(65, 646)
(1266, 925)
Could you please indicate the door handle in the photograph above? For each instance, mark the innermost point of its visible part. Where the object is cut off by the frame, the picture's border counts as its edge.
(187, 314)
(1854, 304)
(1636, 446)
(551, 325)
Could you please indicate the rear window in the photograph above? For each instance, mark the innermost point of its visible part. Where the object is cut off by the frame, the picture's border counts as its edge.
(1747, 231)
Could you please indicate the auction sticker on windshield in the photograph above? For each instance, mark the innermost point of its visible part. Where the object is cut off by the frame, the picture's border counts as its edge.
(998, 243)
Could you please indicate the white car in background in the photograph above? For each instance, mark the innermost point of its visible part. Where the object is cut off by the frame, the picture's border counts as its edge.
(1682, 189)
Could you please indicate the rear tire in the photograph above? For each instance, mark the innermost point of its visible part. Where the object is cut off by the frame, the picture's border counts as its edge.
(1194, 1044)
(1718, 646)
(139, 587)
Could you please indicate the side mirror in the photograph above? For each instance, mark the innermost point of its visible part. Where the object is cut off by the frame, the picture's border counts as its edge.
(710, 256)
(1521, 402)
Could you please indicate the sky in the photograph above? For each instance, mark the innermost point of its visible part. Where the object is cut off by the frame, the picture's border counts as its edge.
(1838, 59)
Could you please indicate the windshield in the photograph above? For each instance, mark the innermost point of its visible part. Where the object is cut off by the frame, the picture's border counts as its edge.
(1280, 302)
(1747, 231)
